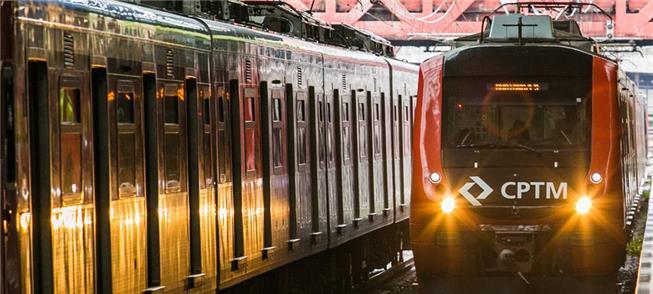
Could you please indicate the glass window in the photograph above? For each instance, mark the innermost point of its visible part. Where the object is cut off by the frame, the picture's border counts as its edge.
(126, 164)
(362, 137)
(206, 111)
(361, 111)
(171, 109)
(125, 107)
(223, 155)
(345, 111)
(208, 160)
(220, 109)
(276, 109)
(277, 147)
(301, 114)
(172, 161)
(329, 112)
(377, 139)
(377, 115)
(69, 105)
(346, 142)
(250, 149)
(249, 109)
(321, 109)
(550, 115)
(71, 163)
(301, 145)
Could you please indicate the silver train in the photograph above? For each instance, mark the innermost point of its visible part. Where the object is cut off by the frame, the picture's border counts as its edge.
(143, 150)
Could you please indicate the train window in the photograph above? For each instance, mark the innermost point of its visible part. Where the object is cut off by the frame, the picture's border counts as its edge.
(223, 155)
(126, 164)
(301, 145)
(208, 171)
(329, 112)
(406, 113)
(171, 104)
(276, 109)
(321, 109)
(346, 142)
(172, 162)
(69, 105)
(250, 149)
(301, 111)
(362, 135)
(249, 109)
(394, 112)
(206, 106)
(220, 108)
(125, 107)
(71, 159)
(70, 140)
(377, 115)
(321, 145)
(277, 158)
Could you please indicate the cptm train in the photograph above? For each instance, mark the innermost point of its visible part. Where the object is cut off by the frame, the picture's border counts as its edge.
(528, 152)
(146, 150)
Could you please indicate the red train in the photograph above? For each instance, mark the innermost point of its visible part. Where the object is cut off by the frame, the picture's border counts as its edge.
(528, 151)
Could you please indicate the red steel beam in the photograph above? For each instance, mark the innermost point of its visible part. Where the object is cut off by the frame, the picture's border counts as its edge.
(632, 17)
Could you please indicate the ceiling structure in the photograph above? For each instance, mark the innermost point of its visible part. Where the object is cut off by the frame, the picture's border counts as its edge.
(403, 20)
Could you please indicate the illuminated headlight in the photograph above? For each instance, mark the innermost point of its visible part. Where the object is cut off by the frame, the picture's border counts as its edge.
(435, 177)
(583, 205)
(596, 178)
(448, 204)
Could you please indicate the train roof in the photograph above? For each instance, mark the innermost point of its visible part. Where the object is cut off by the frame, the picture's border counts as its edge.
(170, 27)
(188, 31)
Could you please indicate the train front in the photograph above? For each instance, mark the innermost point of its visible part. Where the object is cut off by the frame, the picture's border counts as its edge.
(516, 165)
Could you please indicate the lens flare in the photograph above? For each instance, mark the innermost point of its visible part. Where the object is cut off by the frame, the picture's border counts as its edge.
(448, 204)
(583, 205)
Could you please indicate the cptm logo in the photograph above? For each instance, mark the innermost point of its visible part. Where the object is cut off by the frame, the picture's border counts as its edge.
(514, 190)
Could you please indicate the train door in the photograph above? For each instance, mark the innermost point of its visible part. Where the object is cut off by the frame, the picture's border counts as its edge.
(333, 196)
(386, 141)
(166, 176)
(377, 194)
(247, 169)
(361, 160)
(318, 166)
(62, 168)
(344, 158)
(299, 167)
(225, 202)
(275, 169)
(201, 181)
(405, 153)
(397, 175)
(119, 175)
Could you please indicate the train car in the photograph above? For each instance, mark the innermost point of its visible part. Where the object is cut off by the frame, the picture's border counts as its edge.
(528, 151)
(149, 151)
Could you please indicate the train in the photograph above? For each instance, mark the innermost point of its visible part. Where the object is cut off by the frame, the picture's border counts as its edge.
(149, 150)
(529, 153)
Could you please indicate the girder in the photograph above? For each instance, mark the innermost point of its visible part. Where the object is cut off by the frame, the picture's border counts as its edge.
(443, 19)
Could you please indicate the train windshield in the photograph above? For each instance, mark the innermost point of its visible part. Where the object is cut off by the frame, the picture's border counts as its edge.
(517, 113)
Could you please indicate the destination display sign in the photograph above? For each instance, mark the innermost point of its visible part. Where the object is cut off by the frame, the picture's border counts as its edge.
(518, 87)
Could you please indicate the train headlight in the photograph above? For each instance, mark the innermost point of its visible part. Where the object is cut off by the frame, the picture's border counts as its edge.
(583, 205)
(596, 178)
(435, 177)
(448, 204)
